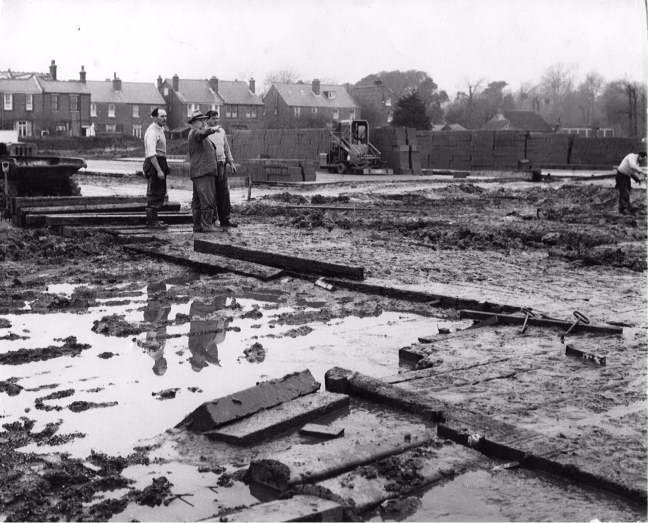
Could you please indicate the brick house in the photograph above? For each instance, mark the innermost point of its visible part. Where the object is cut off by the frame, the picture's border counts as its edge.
(122, 108)
(236, 102)
(375, 103)
(301, 105)
(40, 104)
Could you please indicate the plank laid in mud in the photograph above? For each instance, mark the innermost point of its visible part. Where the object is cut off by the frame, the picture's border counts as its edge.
(435, 300)
(205, 264)
(540, 322)
(297, 508)
(362, 490)
(276, 420)
(34, 216)
(282, 261)
(84, 220)
(267, 394)
(310, 463)
(18, 202)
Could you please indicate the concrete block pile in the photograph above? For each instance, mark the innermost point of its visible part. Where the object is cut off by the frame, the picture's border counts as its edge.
(399, 148)
(602, 151)
(548, 148)
(279, 169)
(279, 143)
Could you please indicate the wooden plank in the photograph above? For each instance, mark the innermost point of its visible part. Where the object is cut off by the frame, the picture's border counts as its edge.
(267, 394)
(345, 208)
(282, 261)
(321, 431)
(585, 356)
(540, 322)
(306, 463)
(17, 202)
(206, 264)
(34, 216)
(276, 420)
(297, 508)
(85, 220)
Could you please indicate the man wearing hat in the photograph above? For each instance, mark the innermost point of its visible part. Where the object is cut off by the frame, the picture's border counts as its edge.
(202, 171)
(223, 157)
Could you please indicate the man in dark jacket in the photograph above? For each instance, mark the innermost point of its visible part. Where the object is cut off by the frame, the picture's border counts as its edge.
(202, 170)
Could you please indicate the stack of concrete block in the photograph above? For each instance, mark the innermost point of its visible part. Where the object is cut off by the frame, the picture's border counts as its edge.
(279, 170)
(602, 151)
(508, 149)
(398, 148)
(279, 143)
(482, 144)
(548, 148)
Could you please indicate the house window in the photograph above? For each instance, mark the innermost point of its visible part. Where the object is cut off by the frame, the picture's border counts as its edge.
(136, 111)
(253, 111)
(29, 102)
(93, 110)
(22, 128)
(336, 114)
(8, 102)
(191, 108)
(297, 112)
(137, 130)
(61, 128)
(111, 128)
(55, 104)
(212, 107)
(390, 117)
(74, 103)
(314, 110)
(166, 91)
(330, 94)
(111, 110)
(352, 114)
(234, 111)
(388, 101)
(248, 112)
(276, 111)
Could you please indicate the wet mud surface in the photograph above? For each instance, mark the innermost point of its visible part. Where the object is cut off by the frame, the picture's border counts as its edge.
(70, 308)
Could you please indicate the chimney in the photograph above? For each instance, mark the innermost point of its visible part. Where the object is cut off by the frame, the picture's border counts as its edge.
(176, 82)
(213, 83)
(53, 70)
(159, 82)
(116, 82)
(82, 75)
(252, 84)
(316, 86)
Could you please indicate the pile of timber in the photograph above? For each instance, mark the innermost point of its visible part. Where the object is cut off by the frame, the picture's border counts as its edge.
(59, 211)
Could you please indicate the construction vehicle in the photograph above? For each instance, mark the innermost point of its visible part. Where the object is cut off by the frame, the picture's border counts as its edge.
(25, 173)
(350, 150)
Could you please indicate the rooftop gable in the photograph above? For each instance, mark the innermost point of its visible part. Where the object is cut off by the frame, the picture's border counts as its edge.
(62, 87)
(237, 93)
(195, 91)
(22, 85)
(302, 95)
(130, 93)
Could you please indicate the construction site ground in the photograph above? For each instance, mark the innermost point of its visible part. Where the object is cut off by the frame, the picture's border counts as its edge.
(88, 426)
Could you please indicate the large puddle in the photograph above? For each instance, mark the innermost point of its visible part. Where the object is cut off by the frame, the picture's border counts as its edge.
(188, 361)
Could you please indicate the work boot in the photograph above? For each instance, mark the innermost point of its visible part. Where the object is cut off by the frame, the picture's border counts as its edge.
(206, 221)
(152, 220)
(228, 223)
(195, 218)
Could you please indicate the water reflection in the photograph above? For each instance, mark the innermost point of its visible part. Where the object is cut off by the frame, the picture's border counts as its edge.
(156, 313)
(206, 331)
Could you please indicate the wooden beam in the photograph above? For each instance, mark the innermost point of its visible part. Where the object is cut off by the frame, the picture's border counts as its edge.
(59, 220)
(18, 202)
(343, 208)
(586, 356)
(282, 261)
(34, 216)
(539, 322)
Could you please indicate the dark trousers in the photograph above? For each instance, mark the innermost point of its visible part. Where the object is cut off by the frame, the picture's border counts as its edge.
(203, 194)
(223, 207)
(156, 189)
(624, 188)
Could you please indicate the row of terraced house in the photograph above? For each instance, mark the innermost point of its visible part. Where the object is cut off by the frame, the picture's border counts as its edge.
(39, 104)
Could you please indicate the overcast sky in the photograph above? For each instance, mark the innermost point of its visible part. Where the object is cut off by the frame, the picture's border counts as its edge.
(453, 41)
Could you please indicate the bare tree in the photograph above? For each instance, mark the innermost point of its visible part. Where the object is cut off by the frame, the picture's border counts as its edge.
(588, 93)
(282, 76)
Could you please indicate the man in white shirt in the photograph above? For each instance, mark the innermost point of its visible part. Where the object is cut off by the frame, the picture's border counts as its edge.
(628, 169)
(223, 157)
(155, 167)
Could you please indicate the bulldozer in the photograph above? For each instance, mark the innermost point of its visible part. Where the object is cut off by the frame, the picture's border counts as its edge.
(25, 173)
(350, 150)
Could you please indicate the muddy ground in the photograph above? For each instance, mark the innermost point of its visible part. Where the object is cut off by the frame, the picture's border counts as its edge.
(553, 246)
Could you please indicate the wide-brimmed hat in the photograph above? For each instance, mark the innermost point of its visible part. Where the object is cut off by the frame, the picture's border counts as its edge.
(196, 115)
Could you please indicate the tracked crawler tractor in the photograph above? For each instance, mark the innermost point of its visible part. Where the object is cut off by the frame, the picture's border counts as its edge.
(350, 150)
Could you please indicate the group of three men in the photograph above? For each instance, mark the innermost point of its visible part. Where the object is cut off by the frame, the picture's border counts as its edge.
(209, 154)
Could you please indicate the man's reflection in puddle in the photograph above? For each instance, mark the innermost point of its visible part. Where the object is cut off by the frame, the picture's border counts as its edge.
(157, 313)
(207, 330)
